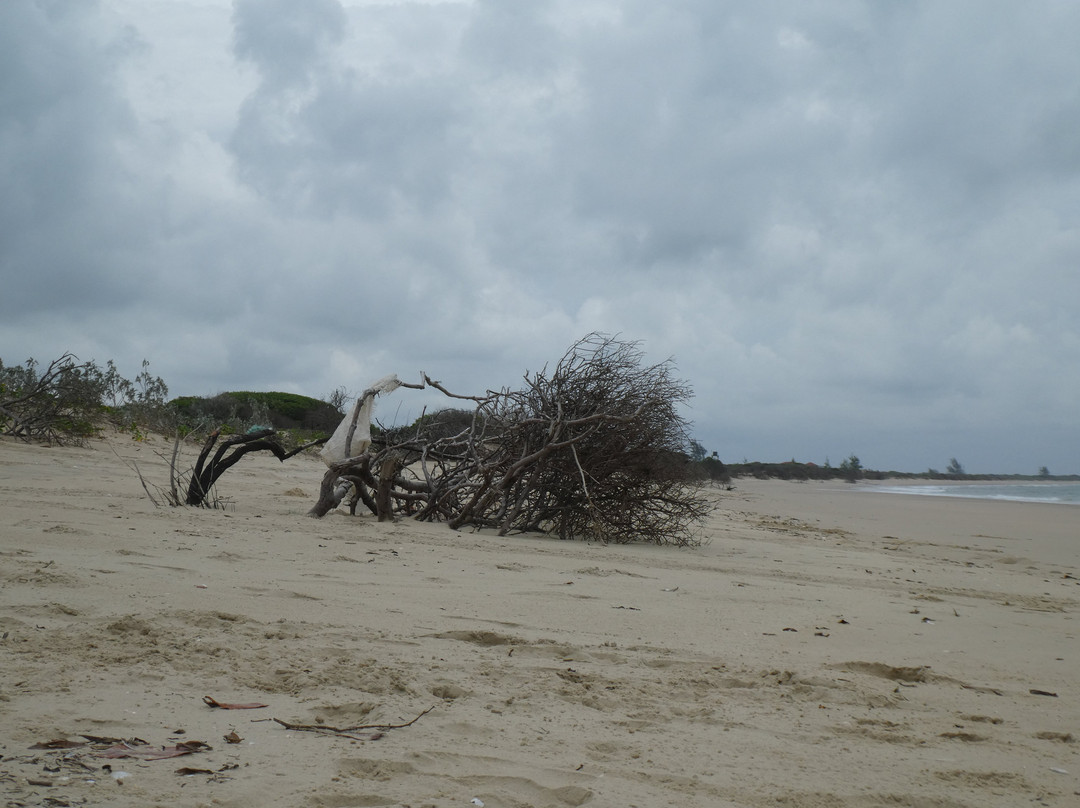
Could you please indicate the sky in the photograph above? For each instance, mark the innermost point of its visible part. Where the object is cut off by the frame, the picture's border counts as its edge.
(853, 226)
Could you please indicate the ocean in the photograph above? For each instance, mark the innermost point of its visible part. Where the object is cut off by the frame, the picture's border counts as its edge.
(1062, 493)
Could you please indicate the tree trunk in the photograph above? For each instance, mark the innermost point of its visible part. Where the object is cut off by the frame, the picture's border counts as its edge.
(387, 471)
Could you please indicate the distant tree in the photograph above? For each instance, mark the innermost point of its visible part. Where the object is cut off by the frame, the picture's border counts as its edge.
(954, 468)
(429, 427)
(697, 451)
(715, 469)
(1044, 471)
(338, 398)
(851, 468)
(237, 411)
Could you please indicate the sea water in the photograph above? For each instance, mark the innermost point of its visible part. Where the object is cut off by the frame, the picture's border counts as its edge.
(1065, 493)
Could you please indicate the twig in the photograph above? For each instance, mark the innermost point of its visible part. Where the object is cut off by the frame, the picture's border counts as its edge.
(438, 386)
(584, 486)
(340, 730)
(144, 485)
(173, 477)
(135, 466)
(299, 449)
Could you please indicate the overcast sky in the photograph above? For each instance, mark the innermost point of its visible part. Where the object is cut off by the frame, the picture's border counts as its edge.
(855, 226)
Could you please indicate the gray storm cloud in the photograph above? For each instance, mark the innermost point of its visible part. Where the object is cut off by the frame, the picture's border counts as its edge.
(853, 226)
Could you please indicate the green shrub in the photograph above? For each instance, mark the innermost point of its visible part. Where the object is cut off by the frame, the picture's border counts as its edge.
(67, 401)
(238, 411)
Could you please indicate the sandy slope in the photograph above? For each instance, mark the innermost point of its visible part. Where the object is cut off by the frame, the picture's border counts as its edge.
(827, 647)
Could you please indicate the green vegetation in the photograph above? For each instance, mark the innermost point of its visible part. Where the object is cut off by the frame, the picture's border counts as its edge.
(241, 410)
(793, 470)
(68, 401)
(429, 427)
(851, 469)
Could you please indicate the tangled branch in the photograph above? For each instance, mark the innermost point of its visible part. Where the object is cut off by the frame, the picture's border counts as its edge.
(594, 448)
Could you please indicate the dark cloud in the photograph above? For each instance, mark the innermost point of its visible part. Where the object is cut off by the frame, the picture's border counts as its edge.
(852, 225)
(514, 41)
(359, 149)
(70, 206)
(287, 41)
(321, 138)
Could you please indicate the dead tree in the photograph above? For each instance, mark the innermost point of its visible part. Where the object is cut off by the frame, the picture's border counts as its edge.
(595, 448)
(58, 405)
(205, 474)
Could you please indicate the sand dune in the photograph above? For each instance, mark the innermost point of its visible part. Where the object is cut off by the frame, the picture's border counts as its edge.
(827, 647)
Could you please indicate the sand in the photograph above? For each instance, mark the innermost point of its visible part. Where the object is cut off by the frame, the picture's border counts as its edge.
(827, 646)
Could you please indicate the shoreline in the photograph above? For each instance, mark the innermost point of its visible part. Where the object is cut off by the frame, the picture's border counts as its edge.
(819, 649)
(952, 488)
(900, 482)
(941, 519)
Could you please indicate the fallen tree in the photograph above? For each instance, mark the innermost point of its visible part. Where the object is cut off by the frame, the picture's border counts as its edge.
(196, 486)
(208, 469)
(594, 448)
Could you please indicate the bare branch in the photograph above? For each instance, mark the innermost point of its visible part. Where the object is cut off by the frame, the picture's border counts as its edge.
(205, 475)
(328, 730)
(592, 448)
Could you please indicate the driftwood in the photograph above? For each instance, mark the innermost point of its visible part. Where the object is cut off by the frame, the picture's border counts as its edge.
(388, 470)
(339, 478)
(347, 731)
(594, 449)
(205, 474)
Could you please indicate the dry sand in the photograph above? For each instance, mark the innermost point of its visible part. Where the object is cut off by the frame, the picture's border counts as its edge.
(827, 647)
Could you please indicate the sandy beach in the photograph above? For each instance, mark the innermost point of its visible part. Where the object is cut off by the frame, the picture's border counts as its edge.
(827, 646)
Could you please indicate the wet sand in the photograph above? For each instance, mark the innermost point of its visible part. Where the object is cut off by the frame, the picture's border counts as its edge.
(827, 646)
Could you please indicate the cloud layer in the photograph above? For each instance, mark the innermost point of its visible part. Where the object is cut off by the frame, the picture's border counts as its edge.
(852, 225)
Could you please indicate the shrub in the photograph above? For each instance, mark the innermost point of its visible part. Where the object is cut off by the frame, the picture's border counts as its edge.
(67, 401)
